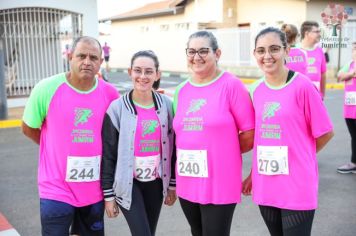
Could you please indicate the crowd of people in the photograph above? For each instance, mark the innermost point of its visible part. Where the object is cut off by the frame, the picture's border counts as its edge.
(102, 152)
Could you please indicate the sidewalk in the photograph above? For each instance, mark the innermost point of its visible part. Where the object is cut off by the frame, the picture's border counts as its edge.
(16, 107)
(5, 228)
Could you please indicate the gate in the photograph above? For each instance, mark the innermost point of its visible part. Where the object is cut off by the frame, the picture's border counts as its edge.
(34, 41)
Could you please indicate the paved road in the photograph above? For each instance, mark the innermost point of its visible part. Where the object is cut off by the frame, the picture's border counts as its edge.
(337, 193)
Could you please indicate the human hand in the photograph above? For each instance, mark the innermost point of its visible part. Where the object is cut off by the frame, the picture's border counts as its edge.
(111, 208)
(247, 186)
(171, 197)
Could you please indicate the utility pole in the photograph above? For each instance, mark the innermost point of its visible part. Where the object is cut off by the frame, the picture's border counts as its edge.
(3, 97)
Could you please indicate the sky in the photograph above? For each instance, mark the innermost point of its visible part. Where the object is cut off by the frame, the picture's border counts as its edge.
(107, 8)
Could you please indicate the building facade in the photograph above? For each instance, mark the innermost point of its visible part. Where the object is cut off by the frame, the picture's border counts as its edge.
(165, 26)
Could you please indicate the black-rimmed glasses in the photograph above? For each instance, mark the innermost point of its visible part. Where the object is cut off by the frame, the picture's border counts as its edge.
(202, 52)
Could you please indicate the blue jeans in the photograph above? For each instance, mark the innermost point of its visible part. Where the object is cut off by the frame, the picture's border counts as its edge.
(58, 217)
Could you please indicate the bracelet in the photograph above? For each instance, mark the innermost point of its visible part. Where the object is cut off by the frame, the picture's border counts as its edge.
(109, 199)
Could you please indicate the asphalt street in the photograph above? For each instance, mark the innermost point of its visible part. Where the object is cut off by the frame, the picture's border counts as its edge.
(336, 214)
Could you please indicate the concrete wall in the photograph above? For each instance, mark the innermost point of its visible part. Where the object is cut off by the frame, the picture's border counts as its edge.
(261, 13)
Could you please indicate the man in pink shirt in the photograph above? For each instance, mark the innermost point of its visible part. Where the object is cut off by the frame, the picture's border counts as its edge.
(64, 115)
(310, 34)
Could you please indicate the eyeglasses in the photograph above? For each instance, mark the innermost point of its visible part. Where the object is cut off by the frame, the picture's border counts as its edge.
(273, 50)
(316, 31)
(202, 52)
(139, 71)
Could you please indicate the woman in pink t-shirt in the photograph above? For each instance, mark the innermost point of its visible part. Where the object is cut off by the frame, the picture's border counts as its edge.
(348, 74)
(138, 146)
(214, 124)
(297, 57)
(292, 125)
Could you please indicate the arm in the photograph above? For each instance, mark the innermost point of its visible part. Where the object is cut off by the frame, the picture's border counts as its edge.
(323, 140)
(246, 140)
(32, 133)
(247, 185)
(110, 139)
(323, 84)
(171, 192)
(344, 76)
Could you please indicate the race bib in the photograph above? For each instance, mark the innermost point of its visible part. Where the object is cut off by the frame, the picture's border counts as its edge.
(192, 163)
(350, 98)
(317, 84)
(272, 160)
(83, 169)
(146, 168)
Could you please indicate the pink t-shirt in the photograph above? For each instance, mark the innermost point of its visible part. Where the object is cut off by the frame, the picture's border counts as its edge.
(148, 132)
(106, 50)
(70, 122)
(147, 142)
(350, 92)
(289, 118)
(316, 65)
(297, 60)
(209, 117)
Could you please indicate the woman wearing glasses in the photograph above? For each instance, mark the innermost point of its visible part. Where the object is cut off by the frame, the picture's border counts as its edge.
(138, 149)
(292, 125)
(297, 57)
(213, 124)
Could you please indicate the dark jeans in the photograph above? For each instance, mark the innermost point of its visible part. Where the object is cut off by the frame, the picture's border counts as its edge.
(208, 219)
(351, 125)
(283, 222)
(147, 198)
(57, 217)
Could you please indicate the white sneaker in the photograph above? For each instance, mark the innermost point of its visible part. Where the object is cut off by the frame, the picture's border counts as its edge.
(347, 168)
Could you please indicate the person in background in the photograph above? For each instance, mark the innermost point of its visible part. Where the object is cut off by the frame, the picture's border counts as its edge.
(214, 125)
(64, 115)
(310, 33)
(292, 125)
(106, 50)
(138, 148)
(297, 58)
(348, 74)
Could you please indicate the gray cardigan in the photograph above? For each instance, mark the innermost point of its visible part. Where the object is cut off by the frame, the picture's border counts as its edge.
(118, 135)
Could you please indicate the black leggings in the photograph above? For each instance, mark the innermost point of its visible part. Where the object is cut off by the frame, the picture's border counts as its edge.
(283, 222)
(351, 125)
(146, 205)
(209, 219)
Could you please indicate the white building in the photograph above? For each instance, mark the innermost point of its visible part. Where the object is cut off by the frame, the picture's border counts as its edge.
(164, 27)
(34, 35)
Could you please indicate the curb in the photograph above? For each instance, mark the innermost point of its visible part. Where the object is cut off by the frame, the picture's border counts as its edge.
(9, 124)
(6, 228)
